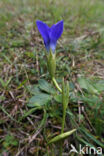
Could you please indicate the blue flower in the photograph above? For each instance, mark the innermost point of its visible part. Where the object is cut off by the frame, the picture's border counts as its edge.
(50, 35)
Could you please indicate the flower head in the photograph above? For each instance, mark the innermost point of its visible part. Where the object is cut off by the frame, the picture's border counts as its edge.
(51, 34)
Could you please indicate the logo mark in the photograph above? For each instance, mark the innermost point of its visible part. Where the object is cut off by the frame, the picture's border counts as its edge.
(86, 150)
(73, 149)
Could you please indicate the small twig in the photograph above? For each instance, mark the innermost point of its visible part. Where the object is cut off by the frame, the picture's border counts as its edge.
(79, 110)
(2, 108)
(88, 119)
(37, 64)
(11, 94)
(30, 141)
(31, 122)
(32, 138)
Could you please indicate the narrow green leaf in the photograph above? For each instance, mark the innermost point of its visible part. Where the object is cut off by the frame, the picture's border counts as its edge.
(61, 136)
(93, 138)
(30, 112)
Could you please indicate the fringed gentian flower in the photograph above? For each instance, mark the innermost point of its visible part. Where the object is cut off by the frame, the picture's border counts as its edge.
(51, 34)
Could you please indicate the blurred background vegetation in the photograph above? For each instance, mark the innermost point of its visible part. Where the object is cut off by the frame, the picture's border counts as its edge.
(27, 121)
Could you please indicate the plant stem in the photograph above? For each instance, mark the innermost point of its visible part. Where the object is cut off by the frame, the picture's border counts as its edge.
(61, 149)
(63, 121)
(62, 130)
(64, 114)
(56, 84)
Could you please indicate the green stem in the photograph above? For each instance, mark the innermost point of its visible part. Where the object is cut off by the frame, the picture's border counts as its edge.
(56, 84)
(61, 149)
(64, 114)
(62, 130)
(63, 121)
